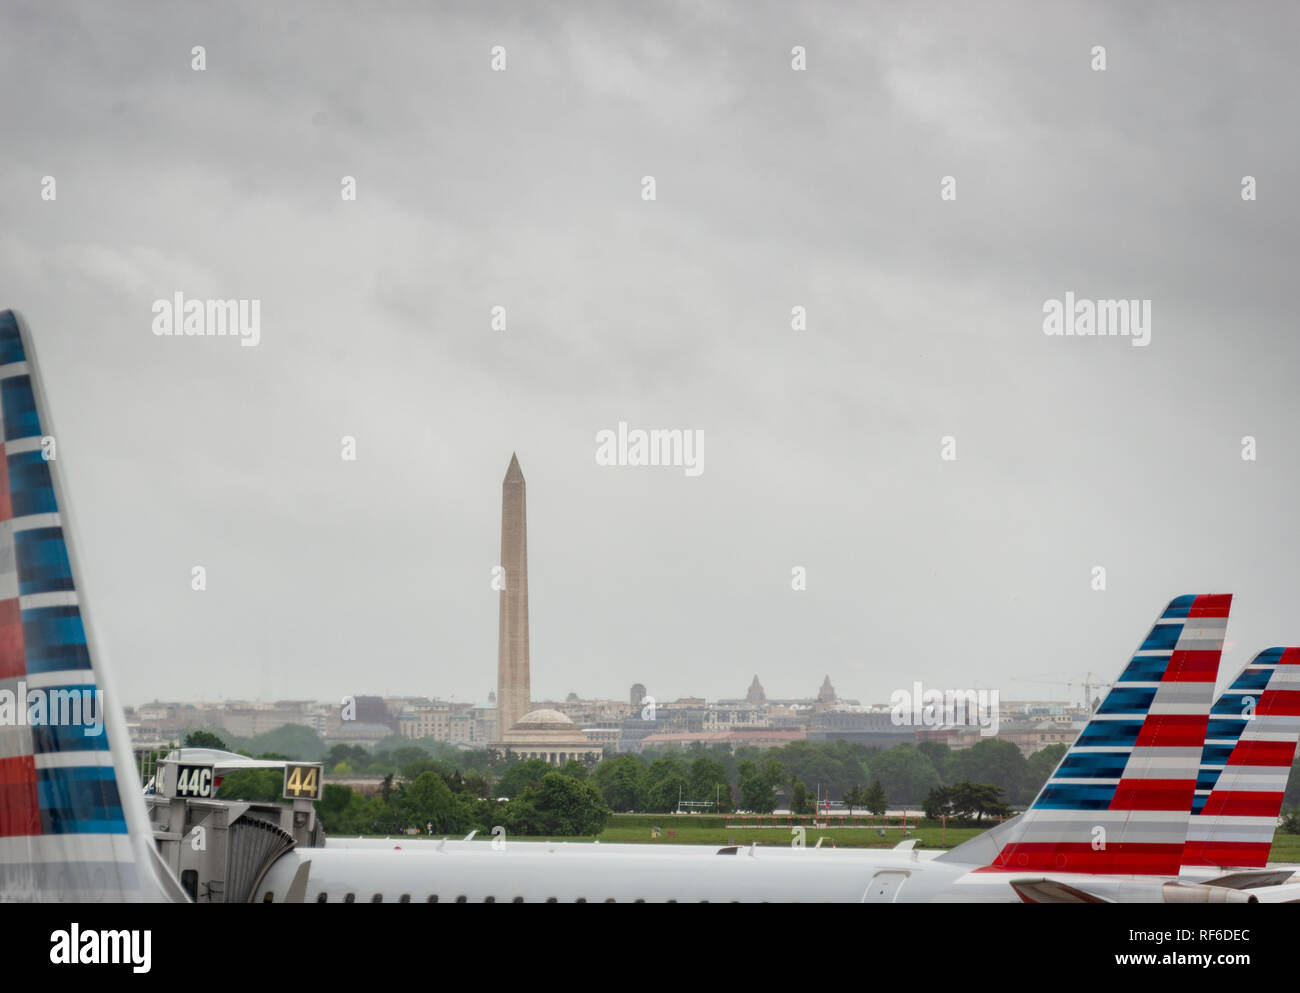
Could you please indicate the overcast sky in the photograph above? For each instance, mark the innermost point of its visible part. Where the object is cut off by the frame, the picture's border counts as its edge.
(775, 188)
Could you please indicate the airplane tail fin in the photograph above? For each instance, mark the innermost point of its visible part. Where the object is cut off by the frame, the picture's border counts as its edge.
(73, 824)
(1249, 747)
(1120, 801)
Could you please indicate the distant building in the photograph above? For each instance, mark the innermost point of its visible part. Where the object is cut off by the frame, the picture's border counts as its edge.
(486, 728)
(873, 728)
(427, 720)
(826, 698)
(549, 735)
(259, 718)
(606, 737)
(373, 710)
(1028, 736)
(719, 718)
(633, 731)
(456, 723)
(356, 733)
(758, 737)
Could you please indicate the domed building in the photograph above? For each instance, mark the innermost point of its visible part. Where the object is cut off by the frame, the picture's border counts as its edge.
(551, 736)
(826, 698)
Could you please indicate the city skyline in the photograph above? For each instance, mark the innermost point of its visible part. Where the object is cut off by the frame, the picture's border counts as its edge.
(486, 701)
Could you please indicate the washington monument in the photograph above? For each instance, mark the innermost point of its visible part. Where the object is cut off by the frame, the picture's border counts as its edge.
(513, 688)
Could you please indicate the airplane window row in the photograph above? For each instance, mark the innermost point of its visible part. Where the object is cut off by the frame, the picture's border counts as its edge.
(323, 897)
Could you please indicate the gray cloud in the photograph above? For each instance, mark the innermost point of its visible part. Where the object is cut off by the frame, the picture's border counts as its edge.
(775, 188)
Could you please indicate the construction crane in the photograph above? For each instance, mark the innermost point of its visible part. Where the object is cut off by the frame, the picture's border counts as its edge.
(1088, 683)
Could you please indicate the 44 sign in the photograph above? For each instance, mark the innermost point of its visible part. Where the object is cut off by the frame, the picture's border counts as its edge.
(302, 781)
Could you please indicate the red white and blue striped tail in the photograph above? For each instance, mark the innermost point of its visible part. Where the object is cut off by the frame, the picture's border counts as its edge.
(1249, 747)
(1120, 801)
(73, 824)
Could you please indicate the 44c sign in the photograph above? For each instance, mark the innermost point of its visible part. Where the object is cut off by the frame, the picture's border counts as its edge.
(194, 781)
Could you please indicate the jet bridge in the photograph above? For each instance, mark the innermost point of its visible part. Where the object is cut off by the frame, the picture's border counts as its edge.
(220, 849)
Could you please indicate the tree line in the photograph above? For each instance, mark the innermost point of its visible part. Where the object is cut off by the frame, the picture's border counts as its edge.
(431, 785)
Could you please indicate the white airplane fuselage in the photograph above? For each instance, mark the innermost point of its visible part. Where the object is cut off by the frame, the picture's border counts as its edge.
(531, 872)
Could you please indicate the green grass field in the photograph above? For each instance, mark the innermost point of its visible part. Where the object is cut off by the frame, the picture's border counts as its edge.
(1286, 848)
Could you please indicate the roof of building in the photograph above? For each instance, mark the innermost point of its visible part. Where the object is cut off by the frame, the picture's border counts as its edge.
(544, 720)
